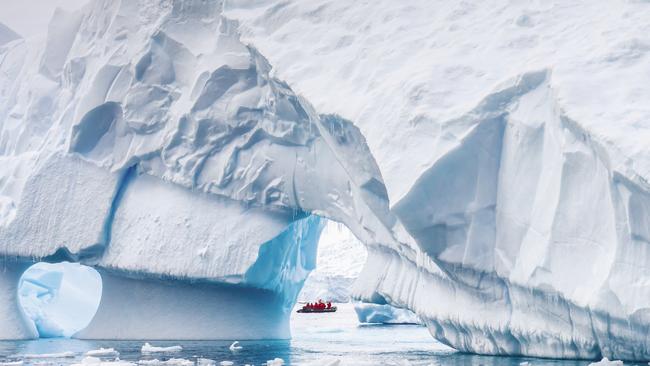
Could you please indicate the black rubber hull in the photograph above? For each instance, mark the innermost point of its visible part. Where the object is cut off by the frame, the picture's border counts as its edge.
(330, 310)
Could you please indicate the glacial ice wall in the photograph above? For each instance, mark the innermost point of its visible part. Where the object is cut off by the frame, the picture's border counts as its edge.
(146, 140)
(512, 138)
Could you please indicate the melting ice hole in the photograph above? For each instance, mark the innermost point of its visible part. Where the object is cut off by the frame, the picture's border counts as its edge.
(61, 299)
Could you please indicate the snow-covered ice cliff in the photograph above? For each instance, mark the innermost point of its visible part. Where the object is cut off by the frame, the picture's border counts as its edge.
(492, 156)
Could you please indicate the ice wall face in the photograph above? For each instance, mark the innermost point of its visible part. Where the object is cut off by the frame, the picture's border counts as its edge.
(513, 143)
(146, 140)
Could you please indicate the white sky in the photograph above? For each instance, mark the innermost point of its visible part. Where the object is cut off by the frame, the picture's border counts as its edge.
(30, 17)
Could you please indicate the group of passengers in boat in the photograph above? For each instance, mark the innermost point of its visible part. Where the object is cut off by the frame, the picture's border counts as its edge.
(320, 305)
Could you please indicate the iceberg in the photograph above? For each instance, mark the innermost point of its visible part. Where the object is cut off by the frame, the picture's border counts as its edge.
(512, 144)
(492, 158)
(234, 347)
(30, 356)
(89, 360)
(103, 352)
(147, 349)
(606, 362)
(170, 362)
(174, 163)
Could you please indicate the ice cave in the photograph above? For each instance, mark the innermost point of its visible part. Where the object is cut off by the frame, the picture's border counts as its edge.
(191, 153)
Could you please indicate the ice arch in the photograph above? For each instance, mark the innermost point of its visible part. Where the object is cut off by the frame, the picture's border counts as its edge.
(178, 166)
(340, 258)
(60, 299)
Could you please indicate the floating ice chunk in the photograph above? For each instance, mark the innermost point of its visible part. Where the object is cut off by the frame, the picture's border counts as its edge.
(90, 360)
(49, 355)
(12, 363)
(226, 363)
(170, 362)
(95, 361)
(275, 362)
(147, 348)
(235, 346)
(525, 363)
(103, 352)
(606, 362)
(325, 362)
(205, 362)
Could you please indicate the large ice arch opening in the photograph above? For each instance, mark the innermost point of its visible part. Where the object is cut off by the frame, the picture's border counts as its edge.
(339, 262)
(60, 299)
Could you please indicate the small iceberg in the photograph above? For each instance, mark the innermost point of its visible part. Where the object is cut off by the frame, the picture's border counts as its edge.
(170, 362)
(147, 348)
(326, 362)
(205, 362)
(94, 361)
(226, 363)
(12, 363)
(50, 355)
(103, 352)
(235, 346)
(606, 362)
(275, 362)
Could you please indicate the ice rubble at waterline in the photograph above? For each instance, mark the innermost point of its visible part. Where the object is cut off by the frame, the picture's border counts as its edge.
(518, 191)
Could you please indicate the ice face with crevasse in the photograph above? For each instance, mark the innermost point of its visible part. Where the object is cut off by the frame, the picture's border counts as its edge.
(492, 157)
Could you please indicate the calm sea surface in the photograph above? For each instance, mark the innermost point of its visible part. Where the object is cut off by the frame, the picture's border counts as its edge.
(318, 339)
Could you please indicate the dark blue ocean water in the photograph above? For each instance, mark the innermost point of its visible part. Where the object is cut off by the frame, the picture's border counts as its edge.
(317, 338)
